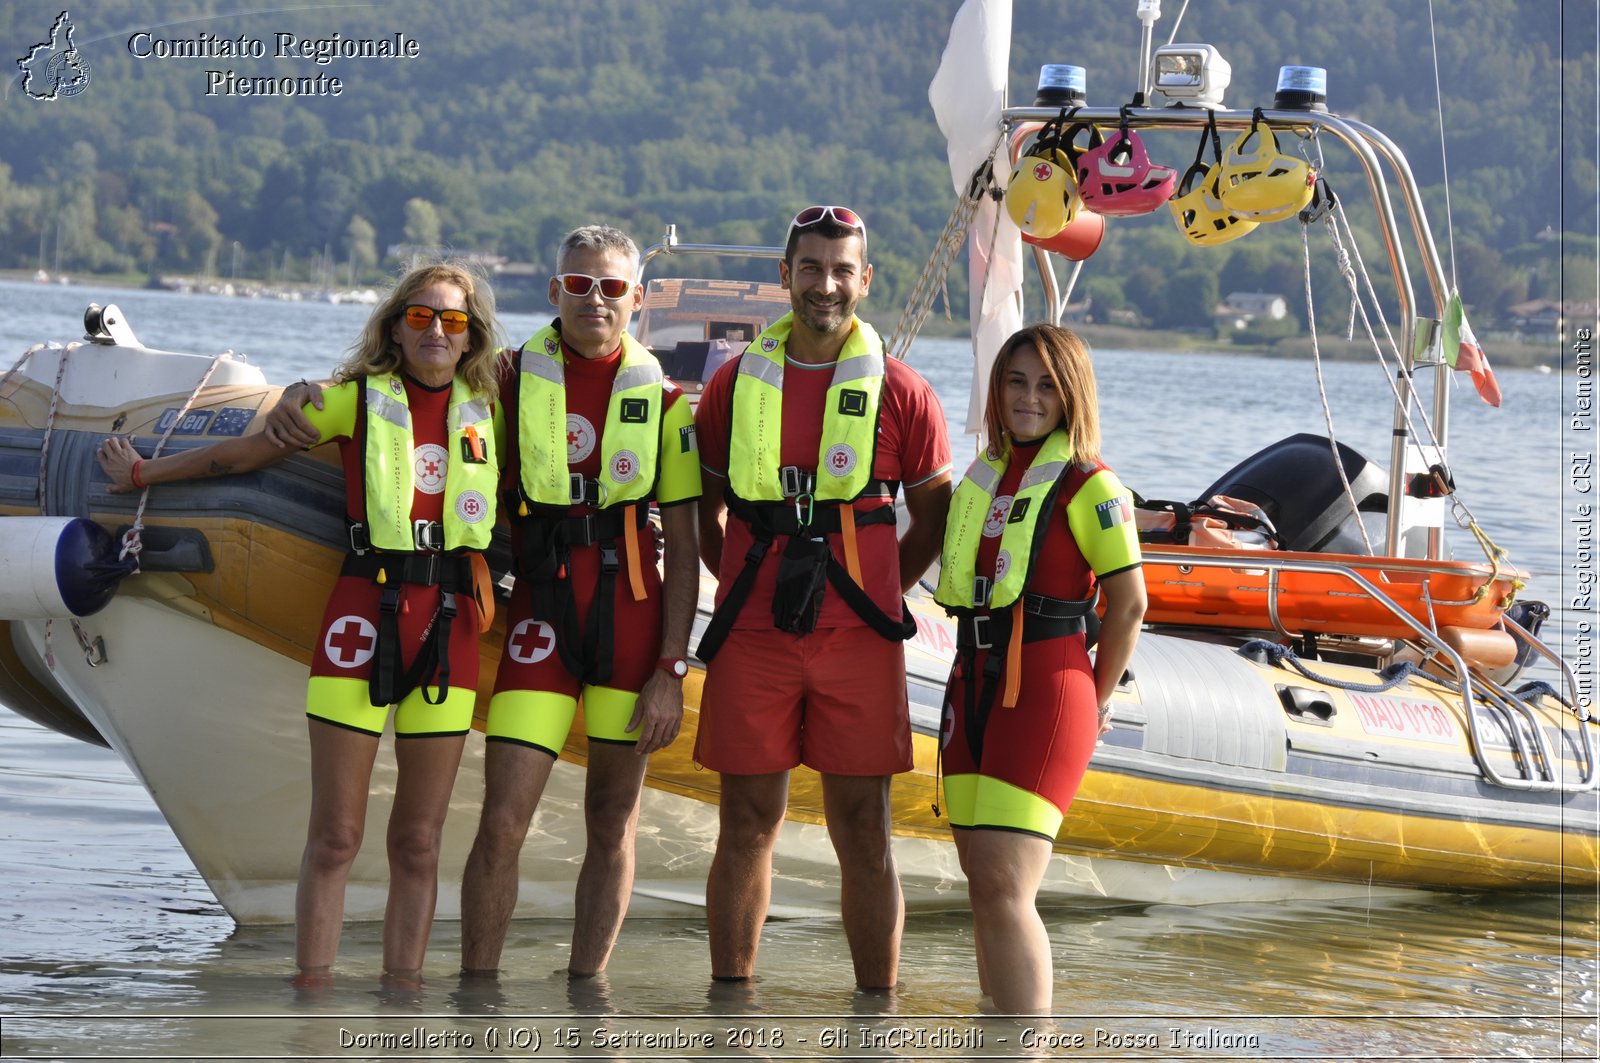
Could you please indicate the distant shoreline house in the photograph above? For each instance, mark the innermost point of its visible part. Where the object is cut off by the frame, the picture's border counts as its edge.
(1239, 310)
(1545, 320)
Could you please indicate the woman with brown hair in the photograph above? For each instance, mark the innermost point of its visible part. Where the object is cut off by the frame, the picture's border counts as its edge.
(1038, 528)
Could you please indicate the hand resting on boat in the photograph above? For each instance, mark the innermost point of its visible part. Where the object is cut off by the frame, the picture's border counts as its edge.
(287, 425)
(130, 472)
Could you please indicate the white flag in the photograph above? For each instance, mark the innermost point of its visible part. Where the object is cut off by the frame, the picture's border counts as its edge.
(968, 94)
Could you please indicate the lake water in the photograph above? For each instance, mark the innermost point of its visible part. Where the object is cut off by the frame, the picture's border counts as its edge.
(112, 947)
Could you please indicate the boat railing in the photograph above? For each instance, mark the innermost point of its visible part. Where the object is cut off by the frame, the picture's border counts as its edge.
(671, 245)
(1540, 764)
(1368, 145)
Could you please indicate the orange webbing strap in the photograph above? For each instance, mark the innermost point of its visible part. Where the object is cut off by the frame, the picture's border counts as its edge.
(847, 531)
(630, 537)
(1008, 697)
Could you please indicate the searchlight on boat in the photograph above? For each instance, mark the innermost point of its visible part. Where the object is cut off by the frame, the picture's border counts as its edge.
(1192, 74)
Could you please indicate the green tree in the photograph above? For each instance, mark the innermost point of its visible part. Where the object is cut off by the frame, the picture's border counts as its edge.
(422, 223)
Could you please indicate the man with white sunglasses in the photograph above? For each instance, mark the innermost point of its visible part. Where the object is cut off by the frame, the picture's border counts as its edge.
(597, 435)
(805, 439)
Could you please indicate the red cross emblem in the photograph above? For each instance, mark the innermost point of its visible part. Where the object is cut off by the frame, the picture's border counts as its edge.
(350, 641)
(1043, 171)
(572, 438)
(998, 514)
(531, 642)
(470, 505)
(840, 459)
(624, 466)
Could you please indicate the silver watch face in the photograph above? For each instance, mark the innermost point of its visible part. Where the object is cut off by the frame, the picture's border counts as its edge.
(680, 668)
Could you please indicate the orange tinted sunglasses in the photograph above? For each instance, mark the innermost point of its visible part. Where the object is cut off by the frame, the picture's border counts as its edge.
(420, 317)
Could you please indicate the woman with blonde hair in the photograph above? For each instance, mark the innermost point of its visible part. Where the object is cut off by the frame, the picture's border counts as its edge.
(418, 435)
(1038, 527)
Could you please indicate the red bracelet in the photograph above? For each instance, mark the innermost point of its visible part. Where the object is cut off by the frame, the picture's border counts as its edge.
(134, 474)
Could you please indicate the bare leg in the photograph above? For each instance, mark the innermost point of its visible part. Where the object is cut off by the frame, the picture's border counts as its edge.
(611, 818)
(514, 780)
(1004, 870)
(427, 774)
(962, 837)
(870, 901)
(740, 887)
(341, 774)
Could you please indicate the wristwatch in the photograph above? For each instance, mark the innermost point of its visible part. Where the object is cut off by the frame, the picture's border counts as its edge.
(674, 666)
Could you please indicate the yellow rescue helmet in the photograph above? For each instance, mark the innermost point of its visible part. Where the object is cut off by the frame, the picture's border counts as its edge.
(1195, 205)
(1257, 182)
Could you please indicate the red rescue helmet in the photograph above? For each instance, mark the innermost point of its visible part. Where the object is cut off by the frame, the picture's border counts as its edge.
(1116, 176)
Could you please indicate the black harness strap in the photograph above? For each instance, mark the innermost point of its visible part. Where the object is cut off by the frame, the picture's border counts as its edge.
(390, 682)
(1043, 618)
(546, 553)
(768, 521)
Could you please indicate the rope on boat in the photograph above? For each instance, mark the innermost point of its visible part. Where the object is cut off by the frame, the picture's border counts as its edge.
(132, 539)
(1280, 655)
(1535, 689)
(1351, 266)
(945, 251)
(1322, 387)
(20, 362)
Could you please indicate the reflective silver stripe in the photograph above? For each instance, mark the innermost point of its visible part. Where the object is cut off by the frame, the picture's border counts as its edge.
(763, 369)
(469, 413)
(848, 369)
(983, 476)
(544, 367)
(1041, 474)
(382, 406)
(634, 376)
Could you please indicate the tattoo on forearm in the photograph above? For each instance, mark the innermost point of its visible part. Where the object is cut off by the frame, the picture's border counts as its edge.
(219, 469)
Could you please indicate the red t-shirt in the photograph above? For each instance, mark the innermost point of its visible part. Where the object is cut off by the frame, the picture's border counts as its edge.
(912, 449)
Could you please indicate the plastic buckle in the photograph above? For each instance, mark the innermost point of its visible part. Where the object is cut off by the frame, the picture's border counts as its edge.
(575, 494)
(447, 605)
(980, 633)
(982, 588)
(360, 542)
(608, 557)
(794, 480)
(590, 534)
(427, 534)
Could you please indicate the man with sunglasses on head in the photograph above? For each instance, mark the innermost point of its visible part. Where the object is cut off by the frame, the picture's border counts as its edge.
(805, 438)
(595, 434)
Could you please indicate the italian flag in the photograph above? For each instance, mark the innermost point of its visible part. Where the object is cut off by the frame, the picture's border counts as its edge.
(1114, 511)
(1463, 354)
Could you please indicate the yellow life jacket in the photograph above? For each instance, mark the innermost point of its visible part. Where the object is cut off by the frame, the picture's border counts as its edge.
(389, 467)
(849, 419)
(1020, 541)
(632, 436)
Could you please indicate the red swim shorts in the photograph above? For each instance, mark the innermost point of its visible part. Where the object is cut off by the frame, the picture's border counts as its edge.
(833, 700)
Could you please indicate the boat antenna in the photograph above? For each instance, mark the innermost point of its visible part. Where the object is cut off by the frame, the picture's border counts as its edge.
(1444, 161)
(1177, 22)
(1147, 12)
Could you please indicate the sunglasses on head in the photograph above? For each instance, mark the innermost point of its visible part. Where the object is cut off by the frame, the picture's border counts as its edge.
(579, 285)
(838, 215)
(421, 318)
